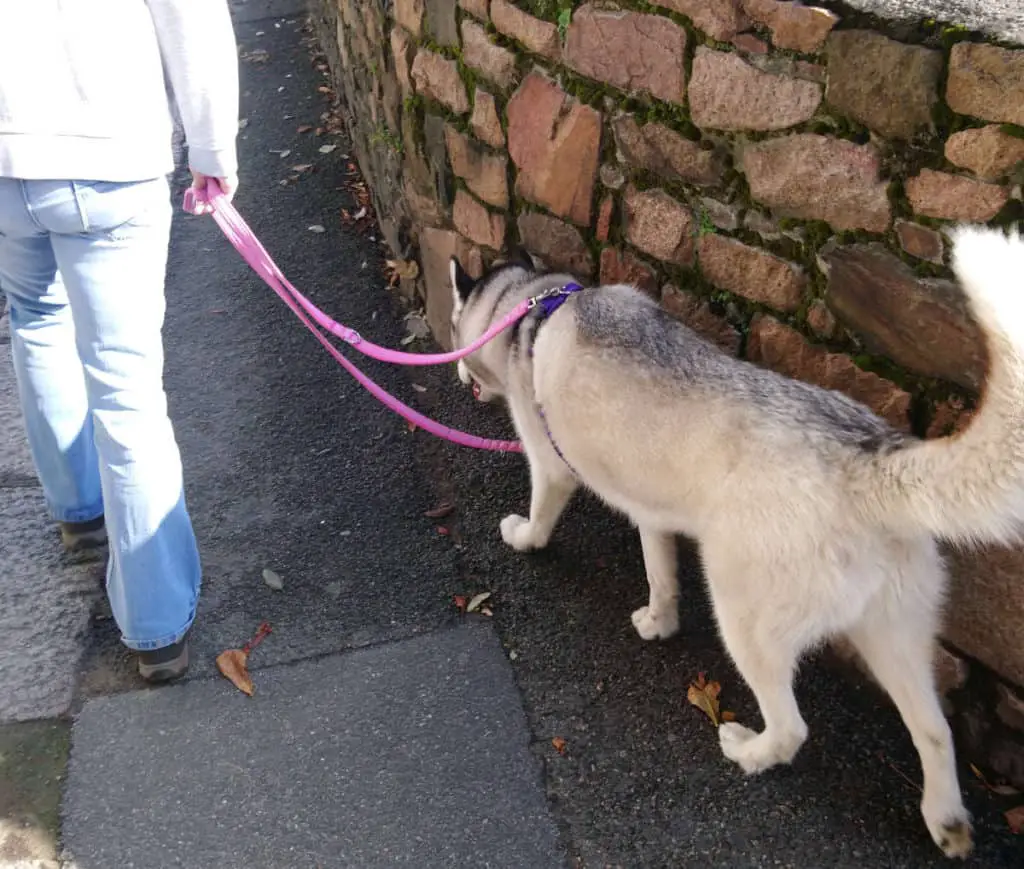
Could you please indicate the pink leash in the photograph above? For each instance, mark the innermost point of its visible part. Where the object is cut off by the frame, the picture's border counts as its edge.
(212, 201)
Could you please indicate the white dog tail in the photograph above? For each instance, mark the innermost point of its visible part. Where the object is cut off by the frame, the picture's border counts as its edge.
(970, 487)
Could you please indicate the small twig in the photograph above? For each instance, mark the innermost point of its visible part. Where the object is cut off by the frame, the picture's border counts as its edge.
(900, 773)
(261, 632)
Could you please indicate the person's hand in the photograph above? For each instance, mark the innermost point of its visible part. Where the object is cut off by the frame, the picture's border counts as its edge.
(229, 184)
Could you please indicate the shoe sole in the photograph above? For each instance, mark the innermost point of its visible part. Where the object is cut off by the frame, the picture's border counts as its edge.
(166, 671)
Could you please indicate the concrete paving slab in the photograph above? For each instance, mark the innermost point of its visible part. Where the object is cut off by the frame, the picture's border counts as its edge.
(412, 753)
(44, 617)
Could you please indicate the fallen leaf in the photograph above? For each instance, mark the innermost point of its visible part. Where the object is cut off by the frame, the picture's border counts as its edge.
(1015, 818)
(486, 611)
(284, 153)
(360, 214)
(477, 599)
(317, 228)
(272, 579)
(302, 167)
(234, 665)
(440, 511)
(559, 744)
(1001, 790)
(305, 128)
(728, 715)
(326, 149)
(409, 424)
(704, 695)
(409, 269)
(460, 602)
(443, 531)
(419, 388)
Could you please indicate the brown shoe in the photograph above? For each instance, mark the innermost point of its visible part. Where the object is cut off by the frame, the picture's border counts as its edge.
(166, 664)
(83, 536)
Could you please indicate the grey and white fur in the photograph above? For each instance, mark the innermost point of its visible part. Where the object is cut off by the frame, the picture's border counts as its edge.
(815, 518)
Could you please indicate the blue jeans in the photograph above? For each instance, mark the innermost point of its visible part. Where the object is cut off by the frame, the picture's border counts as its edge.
(82, 264)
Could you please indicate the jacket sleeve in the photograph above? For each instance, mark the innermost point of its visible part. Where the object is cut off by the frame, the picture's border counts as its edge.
(200, 54)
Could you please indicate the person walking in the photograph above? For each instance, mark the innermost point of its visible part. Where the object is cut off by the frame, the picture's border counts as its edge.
(85, 216)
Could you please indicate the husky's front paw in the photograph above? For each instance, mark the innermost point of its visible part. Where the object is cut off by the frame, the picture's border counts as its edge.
(518, 533)
(656, 624)
(952, 833)
(756, 752)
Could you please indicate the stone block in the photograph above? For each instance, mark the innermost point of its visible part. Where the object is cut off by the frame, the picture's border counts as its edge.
(985, 611)
(886, 85)
(720, 19)
(437, 247)
(402, 51)
(540, 37)
(922, 324)
(697, 314)
(819, 178)
(440, 22)
(437, 78)
(655, 148)
(821, 320)
(727, 93)
(485, 173)
(476, 8)
(559, 244)
(495, 63)
(986, 82)
(409, 13)
(484, 122)
(659, 225)
(604, 218)
(621, 267)
(555, 142)
(477, 223)
(629, 50)
(751, 272)
(777, 346)
(988, 152)
(793, 26)
(723, 215)
(954, 197)
(920, 241)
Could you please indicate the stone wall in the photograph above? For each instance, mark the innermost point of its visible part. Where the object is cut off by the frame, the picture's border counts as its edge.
(778, 176)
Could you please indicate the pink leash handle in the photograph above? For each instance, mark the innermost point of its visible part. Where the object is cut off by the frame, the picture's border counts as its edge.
(212, 201)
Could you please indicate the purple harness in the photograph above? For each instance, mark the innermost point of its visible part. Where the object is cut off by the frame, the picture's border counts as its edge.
(547, 305)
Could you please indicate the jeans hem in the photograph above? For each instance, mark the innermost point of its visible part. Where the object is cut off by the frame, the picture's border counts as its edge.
(161, 642)
(81, 514)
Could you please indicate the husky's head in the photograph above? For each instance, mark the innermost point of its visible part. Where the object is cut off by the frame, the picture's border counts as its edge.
(476, 305)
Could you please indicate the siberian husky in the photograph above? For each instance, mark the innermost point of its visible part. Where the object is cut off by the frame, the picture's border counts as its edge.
(815, 518)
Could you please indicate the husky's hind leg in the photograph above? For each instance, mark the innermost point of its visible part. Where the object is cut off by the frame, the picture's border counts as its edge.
(659, 620)
(896, 638)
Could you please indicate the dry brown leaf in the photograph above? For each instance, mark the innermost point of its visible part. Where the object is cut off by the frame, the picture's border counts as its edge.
(460, 602)
(440, 511)
(704, 695)
(559, 744)
(1001, 790)
(305, 128)
(728, 715)
(1015, 818)
(234, 665)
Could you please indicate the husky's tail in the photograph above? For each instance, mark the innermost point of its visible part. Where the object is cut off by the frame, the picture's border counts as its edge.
(969, 488)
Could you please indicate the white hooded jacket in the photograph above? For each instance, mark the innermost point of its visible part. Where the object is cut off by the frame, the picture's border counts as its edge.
(83, 93)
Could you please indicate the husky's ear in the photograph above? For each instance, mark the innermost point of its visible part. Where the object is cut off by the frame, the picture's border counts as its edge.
(462, 283)
(518, 256)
